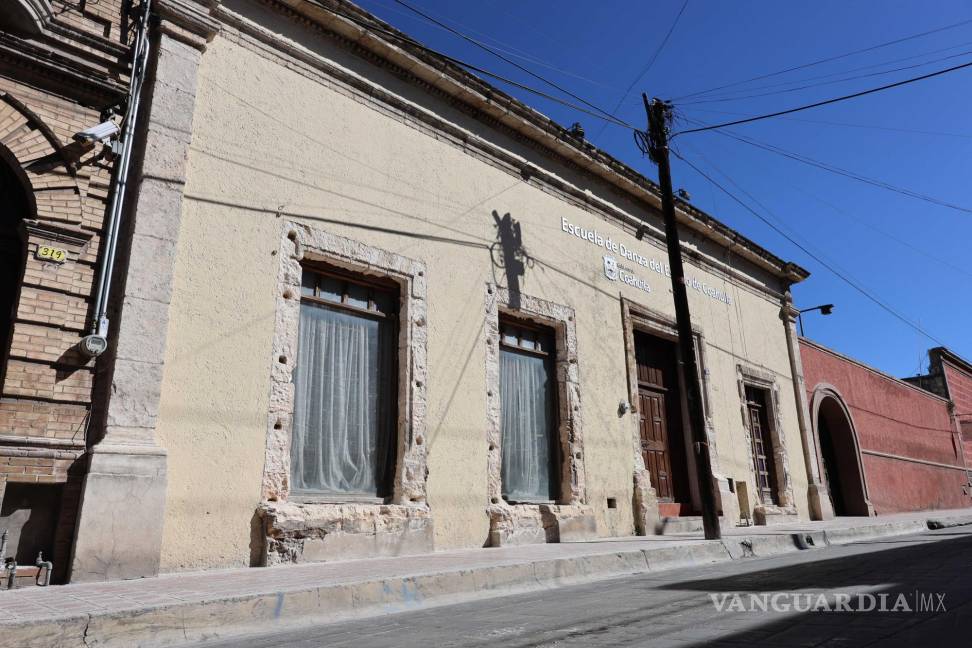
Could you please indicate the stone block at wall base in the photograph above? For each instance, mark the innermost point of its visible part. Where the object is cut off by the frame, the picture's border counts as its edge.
(728, 503)
(297, 532)
(519, 524)
(644, 504)
(818, 501)
(773, 515)
(119, 531)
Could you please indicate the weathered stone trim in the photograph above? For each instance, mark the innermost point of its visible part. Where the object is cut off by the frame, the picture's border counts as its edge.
(188, 21)
(571, 517)
(320, 525)
(767, 381)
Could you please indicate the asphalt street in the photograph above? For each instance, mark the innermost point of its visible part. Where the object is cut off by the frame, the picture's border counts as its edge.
(920, 589)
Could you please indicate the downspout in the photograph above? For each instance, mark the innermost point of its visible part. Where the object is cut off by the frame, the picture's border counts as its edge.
(95, 343)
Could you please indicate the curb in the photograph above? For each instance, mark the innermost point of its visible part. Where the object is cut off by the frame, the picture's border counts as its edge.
(229, 617)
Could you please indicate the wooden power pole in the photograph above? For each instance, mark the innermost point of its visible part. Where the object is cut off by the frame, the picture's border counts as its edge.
(659, 116)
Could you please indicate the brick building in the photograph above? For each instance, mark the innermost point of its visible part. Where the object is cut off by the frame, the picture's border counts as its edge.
(885, 445)
(950, 376)
(72, 469)
(62, 65)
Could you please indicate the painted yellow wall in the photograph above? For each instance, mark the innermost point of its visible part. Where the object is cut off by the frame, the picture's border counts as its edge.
(268, 139)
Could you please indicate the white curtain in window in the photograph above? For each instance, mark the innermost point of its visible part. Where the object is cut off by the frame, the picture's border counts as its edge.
(337, 444)
(526, 404)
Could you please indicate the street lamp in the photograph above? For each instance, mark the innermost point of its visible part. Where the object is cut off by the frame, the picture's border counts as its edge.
(825, 309)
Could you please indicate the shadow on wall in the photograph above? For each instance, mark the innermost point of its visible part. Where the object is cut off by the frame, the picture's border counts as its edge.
(513, 258)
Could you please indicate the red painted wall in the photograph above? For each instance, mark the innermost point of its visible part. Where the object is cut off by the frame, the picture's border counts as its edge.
(894, 418)
(960, 390)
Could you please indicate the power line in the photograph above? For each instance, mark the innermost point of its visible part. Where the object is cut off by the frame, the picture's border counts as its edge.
(856, 219)
(647, 67)
(475, 68)
(845, 124)
(842, 172)
(827, 60)
(828, 101)
(837, 273)
(831, 82)
(503, 46)
(500, 56)
(896, 239)
(783, 84)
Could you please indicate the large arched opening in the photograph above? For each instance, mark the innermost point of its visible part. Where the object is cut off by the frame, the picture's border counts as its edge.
(839, 454)
(16, 204)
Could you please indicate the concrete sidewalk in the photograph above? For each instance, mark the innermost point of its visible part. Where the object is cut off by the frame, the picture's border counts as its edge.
(195, 606)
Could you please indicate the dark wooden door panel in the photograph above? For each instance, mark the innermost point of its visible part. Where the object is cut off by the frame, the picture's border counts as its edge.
(654, 442)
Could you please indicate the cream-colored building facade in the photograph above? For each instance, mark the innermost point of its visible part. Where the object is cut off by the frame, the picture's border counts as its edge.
(321, 141)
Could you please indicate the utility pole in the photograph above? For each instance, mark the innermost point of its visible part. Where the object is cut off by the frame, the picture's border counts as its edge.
(659, 116)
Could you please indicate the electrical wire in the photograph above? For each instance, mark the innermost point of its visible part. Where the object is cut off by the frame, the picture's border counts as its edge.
(829, 101)
(851, 216)
(451, 59)
(840, 171)
(891, 129)
(503, 46)
(783, 84)
(646, 68)
(840, 275)
(831, 82)
(500, 56)
(827, 59)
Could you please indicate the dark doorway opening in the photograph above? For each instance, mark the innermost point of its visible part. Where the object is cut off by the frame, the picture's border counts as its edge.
(660, 423)
(30, 514)
(14, 207)
(841, 463)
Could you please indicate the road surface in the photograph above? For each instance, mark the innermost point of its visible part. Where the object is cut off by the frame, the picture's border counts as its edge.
(926, 581)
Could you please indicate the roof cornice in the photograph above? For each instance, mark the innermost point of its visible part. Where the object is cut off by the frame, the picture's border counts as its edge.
(469, 89)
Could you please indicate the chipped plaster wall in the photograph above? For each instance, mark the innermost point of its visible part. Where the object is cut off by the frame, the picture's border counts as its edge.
(273, 140)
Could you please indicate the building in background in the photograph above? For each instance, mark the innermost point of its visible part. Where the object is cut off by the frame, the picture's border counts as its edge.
(950, 376)
(886, 445)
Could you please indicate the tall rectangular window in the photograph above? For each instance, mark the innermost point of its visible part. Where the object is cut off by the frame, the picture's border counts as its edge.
(344, 426)
(530, 452)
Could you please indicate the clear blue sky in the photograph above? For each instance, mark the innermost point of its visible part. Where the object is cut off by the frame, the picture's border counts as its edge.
(913, 255)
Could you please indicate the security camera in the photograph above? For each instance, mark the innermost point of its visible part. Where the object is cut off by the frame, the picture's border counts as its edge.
(100, 133)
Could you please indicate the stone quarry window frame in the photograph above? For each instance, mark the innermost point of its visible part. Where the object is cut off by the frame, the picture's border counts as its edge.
(371, 271)
(530, 339)
(368, 298)
(751, 378)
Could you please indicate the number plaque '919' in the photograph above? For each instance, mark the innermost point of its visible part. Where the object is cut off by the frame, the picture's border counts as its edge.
(53, 254)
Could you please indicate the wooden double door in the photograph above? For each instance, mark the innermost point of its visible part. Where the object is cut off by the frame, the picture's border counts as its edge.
(660, 411)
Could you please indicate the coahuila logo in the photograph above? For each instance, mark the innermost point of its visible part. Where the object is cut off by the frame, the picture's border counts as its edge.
(610, 268)
(616, 272)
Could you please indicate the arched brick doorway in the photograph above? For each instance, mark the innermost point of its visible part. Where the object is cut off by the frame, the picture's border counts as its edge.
(839, 453)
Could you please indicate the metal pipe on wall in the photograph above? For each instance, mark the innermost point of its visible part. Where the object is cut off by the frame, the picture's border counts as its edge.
(95, 343)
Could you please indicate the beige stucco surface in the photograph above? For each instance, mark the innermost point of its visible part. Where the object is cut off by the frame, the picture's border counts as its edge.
(269, 140)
